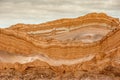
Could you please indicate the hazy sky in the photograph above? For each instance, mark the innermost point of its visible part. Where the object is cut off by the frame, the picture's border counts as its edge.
(38, 11)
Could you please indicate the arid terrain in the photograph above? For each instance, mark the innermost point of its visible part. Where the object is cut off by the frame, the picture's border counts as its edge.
(82, 48)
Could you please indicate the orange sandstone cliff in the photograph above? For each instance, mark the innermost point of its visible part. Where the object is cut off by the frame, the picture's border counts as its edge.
(63, 49)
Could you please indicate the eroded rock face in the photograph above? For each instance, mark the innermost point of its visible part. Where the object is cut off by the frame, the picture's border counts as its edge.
(88, 43)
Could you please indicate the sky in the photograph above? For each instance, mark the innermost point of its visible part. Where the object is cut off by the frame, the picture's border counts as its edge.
(39, 11)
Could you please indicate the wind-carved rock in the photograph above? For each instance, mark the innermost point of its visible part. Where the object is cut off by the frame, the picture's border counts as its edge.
(88, 43)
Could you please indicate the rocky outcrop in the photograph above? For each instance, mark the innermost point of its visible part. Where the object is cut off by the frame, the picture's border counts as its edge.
(88, 43)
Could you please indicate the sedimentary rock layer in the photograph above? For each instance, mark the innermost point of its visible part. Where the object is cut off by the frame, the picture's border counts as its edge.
(87, 43)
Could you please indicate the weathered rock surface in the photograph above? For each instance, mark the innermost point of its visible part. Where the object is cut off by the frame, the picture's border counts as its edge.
(83, 48)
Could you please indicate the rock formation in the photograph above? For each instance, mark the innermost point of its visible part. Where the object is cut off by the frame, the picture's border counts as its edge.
(85, 45)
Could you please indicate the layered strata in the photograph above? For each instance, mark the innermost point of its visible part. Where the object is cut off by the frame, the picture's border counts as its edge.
(88, 43)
